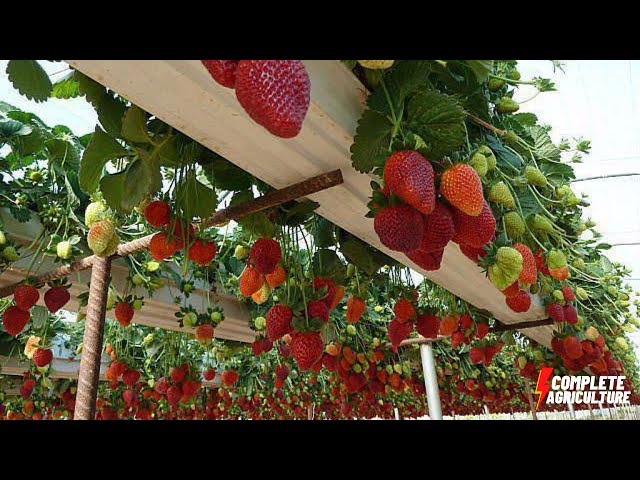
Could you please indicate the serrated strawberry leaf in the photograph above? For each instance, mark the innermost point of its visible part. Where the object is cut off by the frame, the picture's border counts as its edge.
(481, 68)
(194, 198)
(101, 149)
(66, 87)
(371, 144)
(404, 78)
(30, 79)
(439, 120)
(134, 125)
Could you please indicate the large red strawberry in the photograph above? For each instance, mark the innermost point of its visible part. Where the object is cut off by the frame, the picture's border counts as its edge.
(318, 309)
(222, 71)
(205, 333)
(355, 308)
(472, 253)
(202, 252)
(438, 229)
(519, 303)
(56, 297)
(161, 247)
(555, 312)
(275, 94)
(209, 374)
(307, 349)
(462, 187)
(229, 377)
(428, 326)
(42, 357)
(570, 314)
(265, 255)
(529, 274)
(410, 176)
(429, 261)
(278, 321)
(398, 332)
(124, 313)
(130, 377)
(25, 297)
(403, 310)
(157, 213)
(474, 231)
(399, 227)
(14, 320)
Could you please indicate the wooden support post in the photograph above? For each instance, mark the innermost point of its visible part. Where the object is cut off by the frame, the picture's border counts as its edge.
(532, 404)
(591, 412)
(89, 374)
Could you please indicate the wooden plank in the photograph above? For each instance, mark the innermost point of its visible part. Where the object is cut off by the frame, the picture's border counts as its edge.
(181, 93)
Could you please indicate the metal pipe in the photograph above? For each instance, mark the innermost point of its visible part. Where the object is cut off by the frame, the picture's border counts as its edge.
(431, 381)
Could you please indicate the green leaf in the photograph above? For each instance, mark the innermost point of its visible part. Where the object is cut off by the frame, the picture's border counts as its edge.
(66, 87)
(12, 128)
(323, 233)
(403, 79)
(124, 190)
(327, 264)
(544, 147)
(194, 198)
(482, 68)
(439, 120)
(168, 154)
(101, 149)
(363, 256)
(62, 152)
(134, 125)
(88, 87)
(110, 112)
(30, 79)
(224, 174)
(6, 107)
(256, 224)
(296, 213)
(39, 315)
(504, 157)
(371, 144)
(527, 119)
(557, 173)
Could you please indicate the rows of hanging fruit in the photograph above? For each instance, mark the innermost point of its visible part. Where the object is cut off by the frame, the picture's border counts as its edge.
(454, 166)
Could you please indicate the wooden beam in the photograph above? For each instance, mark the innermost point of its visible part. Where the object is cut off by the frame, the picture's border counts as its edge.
(522, 325)
(271, 199)
(211, 114)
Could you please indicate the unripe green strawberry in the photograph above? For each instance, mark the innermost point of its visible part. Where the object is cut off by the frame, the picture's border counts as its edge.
(351, 270)
(389, 369)
(507, 267)
(590, 223)
(495, 84)
(95, 212)
(64, 249)
(479, 163)
(100, 235)
(511, 138)
(152, 266)
(556, 259)
(137, 304)
(112, 246)
(557, 294)
(514, 225)
(507, 105)
(10, 254)
(622, 344)
(378, 308)
(578, 263)
(397, 368)
(240, 252)
(522, 362)
(540, 223)
(514, 75)
(581, 293)
(489, 155)
(260, 323)
(538, 355)
(111, 299)
(534, 176)
(357, 368)
(351, 329)
(3, 238)
(376, 64)
(190, 319)
(501, 195)
(137, 279)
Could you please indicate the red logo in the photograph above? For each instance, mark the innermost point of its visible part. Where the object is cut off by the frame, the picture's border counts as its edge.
(542, 387)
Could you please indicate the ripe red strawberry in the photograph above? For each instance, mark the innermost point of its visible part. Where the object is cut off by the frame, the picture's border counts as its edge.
(457, 339)
(403, 310)
(555, 312)
(265, 255)
(157, 213)
(250, 281)
(307, 349)
(572, 348)
(25, 297)
(476, 355)
(55, 298)
(174, 394)
(222, 71)
(204, 333)
(519, 303)
(318, 309)
(278, 321)
(130, 377)
(482, 329)
(529, 274)
(567, 293)
(275, 94)
(282, 372)
(399, 227)
(229, 377)
(541, 263)
(438, 229)
(472, 253)
(570, 314)
(14, 320)
(328, 285)
(42, 357)
(428, 326)
(209, 374)
(474, 231)
(429, 261)
(202, 252)
(130, 397)
(512, 290)
(177, 374)
(118, 368)
(124, 313)
(398, 332)
(161, 247)
(355, 308)
(462, 187)
(410, 176)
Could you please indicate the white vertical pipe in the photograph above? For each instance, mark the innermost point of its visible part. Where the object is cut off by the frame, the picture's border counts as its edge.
(396, 412)
(486, 412)
(572, 411)
(431, 381)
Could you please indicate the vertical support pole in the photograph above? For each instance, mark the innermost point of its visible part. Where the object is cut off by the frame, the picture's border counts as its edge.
(600, 409)
(571, 411)
(486, 413)
(532, 405)
(431, 381)
(590, 412)
(396, 413)
(310, 412)
(89, 374)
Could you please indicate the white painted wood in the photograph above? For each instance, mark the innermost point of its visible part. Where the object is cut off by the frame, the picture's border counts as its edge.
(181, 93)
